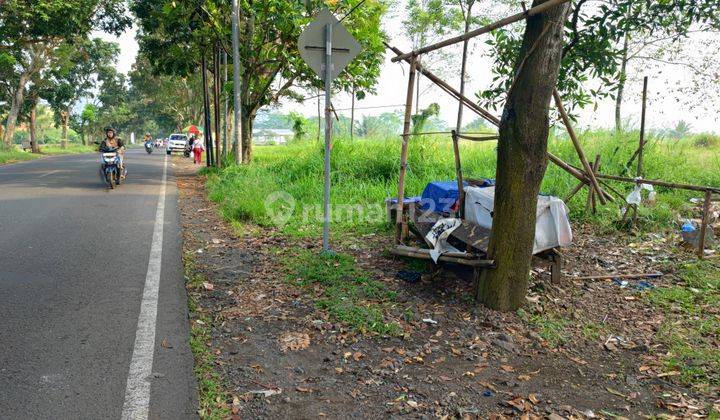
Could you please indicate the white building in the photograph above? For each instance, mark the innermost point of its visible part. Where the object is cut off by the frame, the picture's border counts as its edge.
(272, 135)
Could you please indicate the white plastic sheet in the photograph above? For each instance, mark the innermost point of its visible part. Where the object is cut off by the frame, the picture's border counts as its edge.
(438, 235)
(552, 226)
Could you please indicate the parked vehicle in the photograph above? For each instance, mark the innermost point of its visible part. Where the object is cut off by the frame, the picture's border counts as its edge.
(110, 168)
(176, 143)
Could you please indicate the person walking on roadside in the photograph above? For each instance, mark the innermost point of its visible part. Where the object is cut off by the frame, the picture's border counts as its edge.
(197, 148)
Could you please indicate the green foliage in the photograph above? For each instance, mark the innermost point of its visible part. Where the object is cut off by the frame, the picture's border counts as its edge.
(210, 388)
(595, 35)
(551, 328)
(268, 43)
(365, 173)
(300, 125)
(706, 140)
(420, 120)
(17, 155)
(348, 294)
(691, 330)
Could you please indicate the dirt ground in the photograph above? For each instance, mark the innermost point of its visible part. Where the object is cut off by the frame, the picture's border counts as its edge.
(454, 360)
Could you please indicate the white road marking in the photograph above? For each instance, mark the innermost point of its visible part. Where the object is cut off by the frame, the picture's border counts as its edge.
(49, 173)
(137, 390)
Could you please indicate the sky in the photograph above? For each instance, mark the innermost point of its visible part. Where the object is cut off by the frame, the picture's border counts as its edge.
(664, 111)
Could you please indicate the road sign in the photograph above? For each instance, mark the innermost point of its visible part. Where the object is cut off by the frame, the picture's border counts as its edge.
(312, 45)
(327, 47)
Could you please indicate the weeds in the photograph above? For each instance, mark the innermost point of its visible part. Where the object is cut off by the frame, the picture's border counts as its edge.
(691, 330)
(365, 173)
(551, 328)
(348, 294)
(211, 394)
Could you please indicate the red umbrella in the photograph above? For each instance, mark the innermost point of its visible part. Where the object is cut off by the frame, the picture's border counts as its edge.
(193, 129)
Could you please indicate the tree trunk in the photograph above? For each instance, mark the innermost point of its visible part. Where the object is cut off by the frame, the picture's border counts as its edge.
(36, 56)
(64, 120)
(33, 136)
(206, 113)
(216, 103)
(246, 122)
(522, 160)
(621, 86)
(15, 105)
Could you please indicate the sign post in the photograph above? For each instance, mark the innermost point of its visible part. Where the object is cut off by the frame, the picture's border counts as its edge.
(327, 47)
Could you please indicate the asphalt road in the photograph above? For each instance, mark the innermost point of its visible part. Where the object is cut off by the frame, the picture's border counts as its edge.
(76, 260)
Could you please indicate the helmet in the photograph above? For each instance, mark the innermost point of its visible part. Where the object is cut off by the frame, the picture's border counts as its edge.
(147, 134)
(110, 128)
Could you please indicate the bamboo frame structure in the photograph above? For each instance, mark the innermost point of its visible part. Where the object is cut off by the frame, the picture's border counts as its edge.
(400, 221)
(483, 30)
(588, 176)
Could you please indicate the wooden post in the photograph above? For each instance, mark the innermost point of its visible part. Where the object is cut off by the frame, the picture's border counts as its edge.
(458, 174)
(578, 147)
(703, 225)
(400, 222)
(641, 146)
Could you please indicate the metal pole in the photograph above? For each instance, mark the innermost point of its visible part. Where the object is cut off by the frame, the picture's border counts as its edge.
(237, 143)
(328, 133)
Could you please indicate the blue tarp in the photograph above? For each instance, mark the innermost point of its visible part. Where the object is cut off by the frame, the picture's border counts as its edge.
(441, 196)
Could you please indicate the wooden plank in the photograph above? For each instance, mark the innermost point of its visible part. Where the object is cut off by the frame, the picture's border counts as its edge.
(425, 254)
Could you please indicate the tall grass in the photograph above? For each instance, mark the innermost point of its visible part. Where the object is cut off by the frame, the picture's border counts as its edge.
(365, 173)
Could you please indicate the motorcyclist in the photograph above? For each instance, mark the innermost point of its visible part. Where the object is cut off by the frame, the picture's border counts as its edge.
(148, 141)
(114, 143)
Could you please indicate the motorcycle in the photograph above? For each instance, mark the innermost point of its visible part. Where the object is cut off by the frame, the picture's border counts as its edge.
(110, 168)
(148, 147)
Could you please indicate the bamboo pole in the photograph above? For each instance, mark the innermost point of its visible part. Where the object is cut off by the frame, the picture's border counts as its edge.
(703, 225)
(458, 174)
(620, 276)
(641, 146)
(483, 30)
(490, 117)
(456, 258)
(578, 147)
(404, 152)
(656, 182)
(450, 90)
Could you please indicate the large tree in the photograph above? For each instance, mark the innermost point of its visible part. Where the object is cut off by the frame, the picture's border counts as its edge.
(175, 34)
(597, 30)
(30, 31)
(73, 72)
(522, 158)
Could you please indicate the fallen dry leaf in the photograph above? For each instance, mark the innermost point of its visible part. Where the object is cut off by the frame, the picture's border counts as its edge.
(295, 341)
(507, 368)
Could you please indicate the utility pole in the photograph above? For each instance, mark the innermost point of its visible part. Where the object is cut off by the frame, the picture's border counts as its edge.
(237, 142)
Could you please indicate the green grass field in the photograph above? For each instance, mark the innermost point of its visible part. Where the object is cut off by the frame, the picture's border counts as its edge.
(365, 173)
(18, 155)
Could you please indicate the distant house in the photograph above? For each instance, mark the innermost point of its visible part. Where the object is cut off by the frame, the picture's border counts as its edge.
(272, 135)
